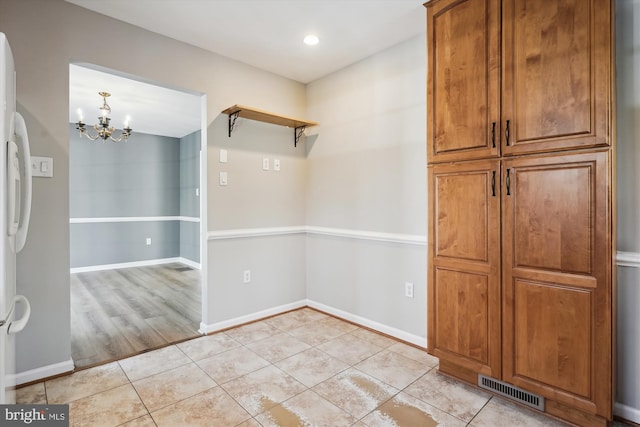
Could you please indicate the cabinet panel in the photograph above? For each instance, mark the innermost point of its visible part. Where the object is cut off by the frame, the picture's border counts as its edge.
(556, 62)
(462, 313)
(553, 217)
(462, 218)
(464, 62)
(464, 264)
(552, 329)
(557, 296)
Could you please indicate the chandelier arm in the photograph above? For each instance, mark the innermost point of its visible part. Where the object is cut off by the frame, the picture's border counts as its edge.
(88, 135)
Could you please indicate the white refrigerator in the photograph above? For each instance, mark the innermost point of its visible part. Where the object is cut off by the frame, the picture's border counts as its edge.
(15, 209)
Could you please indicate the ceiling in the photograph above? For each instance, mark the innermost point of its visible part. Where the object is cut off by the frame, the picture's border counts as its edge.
(151, 109)
(266, 34)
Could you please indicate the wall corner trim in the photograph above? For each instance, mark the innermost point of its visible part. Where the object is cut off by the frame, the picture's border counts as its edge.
(44, 372)
(628, 259)
(627, 412)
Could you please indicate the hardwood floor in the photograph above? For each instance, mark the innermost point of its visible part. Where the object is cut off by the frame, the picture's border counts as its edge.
(119, 313)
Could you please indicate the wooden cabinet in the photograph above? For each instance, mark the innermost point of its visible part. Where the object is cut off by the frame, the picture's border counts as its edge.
(556, 281)
(464, 272)
(463, 80)
(521, 247)
(517, 76)
(556, 75)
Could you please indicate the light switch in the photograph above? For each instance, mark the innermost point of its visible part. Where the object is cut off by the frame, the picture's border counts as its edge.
(223, 178)
(265, 164)
(42, 166)
(223, 155)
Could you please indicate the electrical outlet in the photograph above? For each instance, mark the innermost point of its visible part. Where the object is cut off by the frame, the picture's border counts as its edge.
(148, 241)
(246, 276)
(408, 289)
(276, 165)
(223, 178)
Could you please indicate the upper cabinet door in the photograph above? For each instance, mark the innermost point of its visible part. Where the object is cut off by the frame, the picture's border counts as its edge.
(463, 95)
(556, 90)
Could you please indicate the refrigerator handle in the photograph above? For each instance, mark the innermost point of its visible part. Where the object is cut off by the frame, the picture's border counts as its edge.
(25, 214)
(18, 325)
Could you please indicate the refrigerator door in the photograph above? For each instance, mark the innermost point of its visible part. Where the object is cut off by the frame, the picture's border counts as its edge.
(12, 236)
(7, 258)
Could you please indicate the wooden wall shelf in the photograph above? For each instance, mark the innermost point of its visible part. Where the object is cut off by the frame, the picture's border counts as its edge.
(299, 125)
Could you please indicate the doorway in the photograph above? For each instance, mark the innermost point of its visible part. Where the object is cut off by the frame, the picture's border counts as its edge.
(135, 215)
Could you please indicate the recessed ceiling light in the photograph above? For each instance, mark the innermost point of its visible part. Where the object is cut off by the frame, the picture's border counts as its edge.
(311, 40)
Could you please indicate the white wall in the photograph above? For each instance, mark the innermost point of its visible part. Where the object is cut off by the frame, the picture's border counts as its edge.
(628, 154)
(367, 175)
(47, 35)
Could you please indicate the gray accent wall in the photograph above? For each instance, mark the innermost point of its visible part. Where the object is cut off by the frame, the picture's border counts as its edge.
(136, 178)
(104, 243)
(190, 196)
(141, 177)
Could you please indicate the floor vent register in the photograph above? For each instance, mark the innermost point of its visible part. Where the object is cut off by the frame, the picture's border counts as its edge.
(511, 392)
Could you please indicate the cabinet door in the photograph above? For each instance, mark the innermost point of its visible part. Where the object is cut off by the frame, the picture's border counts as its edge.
(463, 80)
(557, 74)
(557, 302)
(464, 265)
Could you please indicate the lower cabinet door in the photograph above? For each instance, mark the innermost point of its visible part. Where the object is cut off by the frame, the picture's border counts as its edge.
(557, 299)
(464, 265)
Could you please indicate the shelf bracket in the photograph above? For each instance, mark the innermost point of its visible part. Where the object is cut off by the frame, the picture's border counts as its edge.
(232, 121)
(297, 133)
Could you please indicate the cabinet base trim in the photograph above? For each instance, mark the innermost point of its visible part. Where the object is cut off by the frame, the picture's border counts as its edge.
(511, 392)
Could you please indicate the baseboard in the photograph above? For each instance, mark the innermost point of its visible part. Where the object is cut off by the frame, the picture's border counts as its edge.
(214, 327)
(371, 324)
(192, 264)
(45, 372)
(144, 263)
(627, 412)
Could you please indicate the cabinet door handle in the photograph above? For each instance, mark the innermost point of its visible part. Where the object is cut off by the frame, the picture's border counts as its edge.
(508, 182)
(493, 184)
(506, 133)
(493, 134)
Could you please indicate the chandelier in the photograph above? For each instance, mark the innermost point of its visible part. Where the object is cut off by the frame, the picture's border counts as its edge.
(102, 128)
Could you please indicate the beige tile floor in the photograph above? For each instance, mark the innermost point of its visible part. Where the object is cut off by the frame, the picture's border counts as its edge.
(302, 368)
